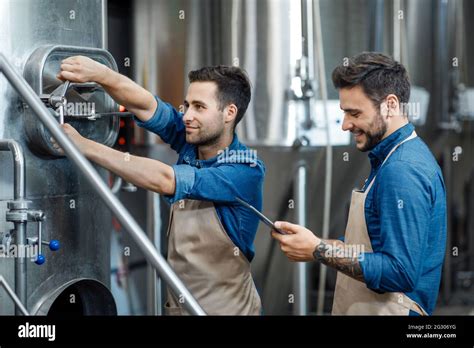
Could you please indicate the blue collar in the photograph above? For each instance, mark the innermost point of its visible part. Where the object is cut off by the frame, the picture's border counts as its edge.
(190, 156)
(381, 150)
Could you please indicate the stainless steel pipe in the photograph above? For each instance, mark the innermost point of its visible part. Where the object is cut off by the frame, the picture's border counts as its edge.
(19, 185)
(19, 189)
(301, 282)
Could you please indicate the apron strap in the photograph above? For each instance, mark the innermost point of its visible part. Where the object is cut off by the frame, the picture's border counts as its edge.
(412, 136)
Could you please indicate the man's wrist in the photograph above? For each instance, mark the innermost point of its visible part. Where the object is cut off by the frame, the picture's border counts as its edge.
(320, 249)
(87, 147)
(103, 76)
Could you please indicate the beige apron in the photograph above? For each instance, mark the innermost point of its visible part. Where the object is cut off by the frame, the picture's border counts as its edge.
(352, 297)
(213, 269)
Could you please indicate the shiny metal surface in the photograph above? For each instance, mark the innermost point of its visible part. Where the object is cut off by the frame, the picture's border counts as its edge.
(20, 265)
(40, 72)
(74, 213)
(97, 301)
(300, 285)
(19, 185)
(258, 34)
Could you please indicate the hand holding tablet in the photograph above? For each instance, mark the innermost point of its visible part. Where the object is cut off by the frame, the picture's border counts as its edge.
(262, 217)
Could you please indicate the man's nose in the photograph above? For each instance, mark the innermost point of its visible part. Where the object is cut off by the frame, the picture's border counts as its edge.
(346, 124)
(188, 116)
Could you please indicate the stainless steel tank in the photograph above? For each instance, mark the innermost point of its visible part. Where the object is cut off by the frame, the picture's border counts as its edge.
(269, 40)
(75, 280)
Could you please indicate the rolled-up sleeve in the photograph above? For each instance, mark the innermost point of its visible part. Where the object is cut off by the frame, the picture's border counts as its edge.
(403, 201)
(217, 184)
(166, 122)
(184, 178)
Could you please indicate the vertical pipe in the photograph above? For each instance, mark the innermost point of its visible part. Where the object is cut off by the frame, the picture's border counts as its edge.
(301, 298)
(470, 223)
(105, 32)
(19, 188)
(40, 236)
(308, 32)
(157, 233)
(150, 271)
(250, 59)
(154, 293)
(448, 179)
(19, 185)
(307, 59)
(20, 265)
(328, 173)
(396, 31)
(153, 307)
(377, 30)
(442, 80)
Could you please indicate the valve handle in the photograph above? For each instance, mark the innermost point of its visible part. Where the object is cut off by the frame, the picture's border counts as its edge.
(54, 245)
(40, 259)
(66, 85)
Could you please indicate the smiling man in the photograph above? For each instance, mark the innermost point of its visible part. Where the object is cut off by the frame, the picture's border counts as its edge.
(391, 258)
(210, 236)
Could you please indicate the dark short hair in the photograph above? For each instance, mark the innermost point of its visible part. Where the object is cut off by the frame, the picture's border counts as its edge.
(378, 74)
(233, 86)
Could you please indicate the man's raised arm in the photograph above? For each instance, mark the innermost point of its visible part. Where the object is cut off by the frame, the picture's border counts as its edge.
(124, 91)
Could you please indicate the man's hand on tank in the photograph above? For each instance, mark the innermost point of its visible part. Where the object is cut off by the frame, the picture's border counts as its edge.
(82, 69)
(74, 135)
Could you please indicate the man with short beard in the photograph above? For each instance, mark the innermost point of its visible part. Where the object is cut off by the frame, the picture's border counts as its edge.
(391, 257)
(210, 235)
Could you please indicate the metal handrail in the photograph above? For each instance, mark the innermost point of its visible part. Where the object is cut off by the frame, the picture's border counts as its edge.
(15, 298)
(122, 214)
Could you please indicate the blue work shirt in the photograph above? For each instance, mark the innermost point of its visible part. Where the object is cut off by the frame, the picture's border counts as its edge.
(237, 172)
(405, 213)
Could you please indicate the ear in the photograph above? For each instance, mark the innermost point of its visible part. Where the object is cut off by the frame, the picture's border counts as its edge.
(393, 105)
(230, 112)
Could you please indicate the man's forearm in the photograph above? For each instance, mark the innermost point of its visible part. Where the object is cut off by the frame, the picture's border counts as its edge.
(333, 254)
(143, 172)
(124, 91)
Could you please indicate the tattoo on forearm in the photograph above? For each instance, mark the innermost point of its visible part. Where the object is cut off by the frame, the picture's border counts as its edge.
(333, 256)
